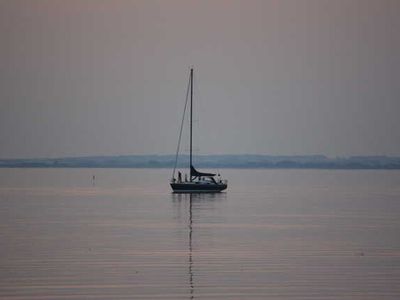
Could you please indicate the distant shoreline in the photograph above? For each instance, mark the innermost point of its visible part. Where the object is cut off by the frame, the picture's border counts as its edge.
(244, 161)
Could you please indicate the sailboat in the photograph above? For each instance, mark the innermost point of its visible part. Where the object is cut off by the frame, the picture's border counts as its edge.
(197, 181)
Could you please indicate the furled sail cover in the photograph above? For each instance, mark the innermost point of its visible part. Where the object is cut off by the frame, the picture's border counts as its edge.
(194, 172)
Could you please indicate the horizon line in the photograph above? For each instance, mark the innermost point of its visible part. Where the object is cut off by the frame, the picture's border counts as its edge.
(202, 155)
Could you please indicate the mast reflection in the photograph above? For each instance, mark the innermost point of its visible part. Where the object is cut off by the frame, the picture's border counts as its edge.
(194, 200)
(190, 247)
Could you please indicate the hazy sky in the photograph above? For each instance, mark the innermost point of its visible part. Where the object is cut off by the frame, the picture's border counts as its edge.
(272, 77)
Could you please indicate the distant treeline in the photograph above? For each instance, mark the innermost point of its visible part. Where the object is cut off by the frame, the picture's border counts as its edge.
(210, 161)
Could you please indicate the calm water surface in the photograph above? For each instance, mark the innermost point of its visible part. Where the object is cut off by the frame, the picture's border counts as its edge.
(275, 234)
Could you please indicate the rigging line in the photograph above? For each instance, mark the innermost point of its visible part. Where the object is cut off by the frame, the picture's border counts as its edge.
(180, 131)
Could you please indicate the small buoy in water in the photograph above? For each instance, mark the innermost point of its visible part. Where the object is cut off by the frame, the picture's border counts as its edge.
(359, 253)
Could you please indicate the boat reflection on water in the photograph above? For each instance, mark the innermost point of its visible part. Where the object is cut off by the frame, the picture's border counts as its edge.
(190, 203)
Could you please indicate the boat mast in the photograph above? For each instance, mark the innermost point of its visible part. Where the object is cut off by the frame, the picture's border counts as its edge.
(191, 119)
